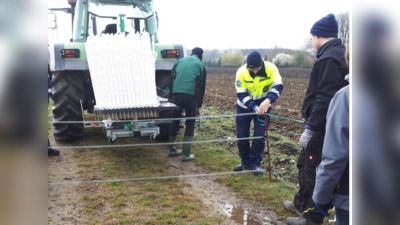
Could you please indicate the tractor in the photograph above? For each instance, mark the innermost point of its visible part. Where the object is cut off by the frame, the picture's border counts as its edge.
(73, 92)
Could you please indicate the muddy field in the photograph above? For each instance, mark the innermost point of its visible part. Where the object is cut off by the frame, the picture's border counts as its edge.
(95, 203)
(221, 92)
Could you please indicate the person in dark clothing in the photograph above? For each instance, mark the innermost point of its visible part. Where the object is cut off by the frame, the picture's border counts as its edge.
(332, 180)
(50, 151)
(187, 87)
(327, 77)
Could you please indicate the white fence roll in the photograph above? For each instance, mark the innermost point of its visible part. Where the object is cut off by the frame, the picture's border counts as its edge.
(122, 70)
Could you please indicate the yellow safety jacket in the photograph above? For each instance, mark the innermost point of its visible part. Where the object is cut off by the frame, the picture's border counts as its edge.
(252, 89)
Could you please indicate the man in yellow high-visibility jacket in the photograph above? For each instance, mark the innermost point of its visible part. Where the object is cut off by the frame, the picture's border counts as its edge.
(258, 85)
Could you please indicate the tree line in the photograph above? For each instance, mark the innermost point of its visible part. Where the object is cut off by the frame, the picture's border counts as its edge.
(281, 57)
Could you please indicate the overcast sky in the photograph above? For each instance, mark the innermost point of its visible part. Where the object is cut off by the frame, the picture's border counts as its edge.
(226, 24)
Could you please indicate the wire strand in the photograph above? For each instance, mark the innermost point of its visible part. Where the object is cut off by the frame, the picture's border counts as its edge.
(168, 143)
(154, 144)
(164, 177)
(186, 118)
(149, 178)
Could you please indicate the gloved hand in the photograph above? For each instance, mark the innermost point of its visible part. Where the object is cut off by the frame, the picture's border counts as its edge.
(323, 208)
(305, 138)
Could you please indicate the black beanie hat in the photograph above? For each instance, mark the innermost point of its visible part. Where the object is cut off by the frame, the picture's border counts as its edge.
(198, 51)
(325, 27)
(254, 60)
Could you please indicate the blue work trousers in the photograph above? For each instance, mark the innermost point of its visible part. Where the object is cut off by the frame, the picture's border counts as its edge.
(251, 156)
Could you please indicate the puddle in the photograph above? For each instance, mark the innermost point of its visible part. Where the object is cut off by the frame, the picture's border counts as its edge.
(244, 215)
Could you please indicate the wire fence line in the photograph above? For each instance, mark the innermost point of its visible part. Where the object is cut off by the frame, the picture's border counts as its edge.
(148, 178)
(154, 144)
(164, 144)
(169, 143)
(163, 177)
(186, 118)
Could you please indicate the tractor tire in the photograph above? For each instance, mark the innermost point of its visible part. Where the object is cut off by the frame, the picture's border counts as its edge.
(67, 95)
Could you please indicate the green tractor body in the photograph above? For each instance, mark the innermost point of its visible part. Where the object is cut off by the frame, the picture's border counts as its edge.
(72, 84)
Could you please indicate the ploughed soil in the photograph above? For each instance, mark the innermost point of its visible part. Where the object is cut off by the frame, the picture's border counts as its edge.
(221, 92)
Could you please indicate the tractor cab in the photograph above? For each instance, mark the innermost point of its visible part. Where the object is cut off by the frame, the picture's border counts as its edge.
(129, 82)
(112, 17)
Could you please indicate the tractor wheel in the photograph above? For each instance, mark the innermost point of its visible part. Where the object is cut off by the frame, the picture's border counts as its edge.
(67, 95)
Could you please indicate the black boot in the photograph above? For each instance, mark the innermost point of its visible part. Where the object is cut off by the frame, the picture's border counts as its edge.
(52, 152)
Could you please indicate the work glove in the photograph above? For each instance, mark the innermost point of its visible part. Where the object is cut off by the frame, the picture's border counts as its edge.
(305, 138)
(323, 208)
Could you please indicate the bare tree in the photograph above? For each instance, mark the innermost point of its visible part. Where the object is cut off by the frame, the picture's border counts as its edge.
(344, 26)
(308, 47)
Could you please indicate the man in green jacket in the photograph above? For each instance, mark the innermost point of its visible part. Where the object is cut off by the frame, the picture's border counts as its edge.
(187, 89)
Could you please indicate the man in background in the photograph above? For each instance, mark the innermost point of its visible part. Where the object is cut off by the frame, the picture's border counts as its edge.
(332, 181)
(327, 77)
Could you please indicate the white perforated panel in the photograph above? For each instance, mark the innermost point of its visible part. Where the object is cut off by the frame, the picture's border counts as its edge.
(122, 71)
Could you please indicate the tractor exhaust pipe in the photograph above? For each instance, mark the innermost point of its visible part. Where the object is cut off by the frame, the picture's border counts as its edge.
(72, 3)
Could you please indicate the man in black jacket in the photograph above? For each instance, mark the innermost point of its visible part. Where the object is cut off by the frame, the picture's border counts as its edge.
(327, 77)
